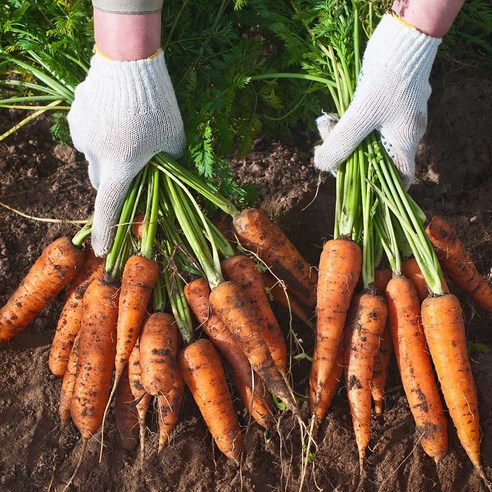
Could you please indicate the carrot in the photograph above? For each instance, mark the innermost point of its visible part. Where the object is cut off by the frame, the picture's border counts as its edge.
(457, 262)
(125, 414)
(137, 226)
(381, 279)
(233, 306)
(168, 408)
(257, 401)
(158, 349)
(242, 270)
(339, 270)
(445, 334)
(415, 366)
(197, 295)
(57, 266)
(138, 280)
(203, 373)
(280, 295)
(259, 234)
(363, 337)
(410, 268)
(96, 357)
(68, 384)
(328, 392)
(70, 318)
(139, 394)
(380, 372)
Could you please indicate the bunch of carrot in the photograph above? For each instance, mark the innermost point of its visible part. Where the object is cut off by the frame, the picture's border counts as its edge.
(116, 339)
(362, 317)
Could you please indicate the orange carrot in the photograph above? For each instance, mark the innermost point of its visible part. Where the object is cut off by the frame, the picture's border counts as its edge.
(203, 373)
(57, 266)
(197, 295)
(68, 384)
(96, 357)
(242, 270)
(415, 366)
(139, 394)
(381, 279)
(158, 349)
(339, 270)
(125, 414)
(327, 393)
(363, 337)
(138, 280)
(410, 268)
(233, 306)
(257, 401)
(380, 372)
(168, 408)
(137, 226)
(259, 234)
(71, 316)
(445, 334)
(457, 262)
(281, 296)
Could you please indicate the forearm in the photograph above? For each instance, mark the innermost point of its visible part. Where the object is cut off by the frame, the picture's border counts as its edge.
(433, 17)
(126, 36)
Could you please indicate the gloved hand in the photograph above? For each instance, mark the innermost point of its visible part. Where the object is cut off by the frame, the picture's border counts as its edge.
(123, 114)
(391, 97)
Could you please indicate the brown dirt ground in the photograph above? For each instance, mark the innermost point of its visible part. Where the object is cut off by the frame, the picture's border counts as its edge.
(44, 179)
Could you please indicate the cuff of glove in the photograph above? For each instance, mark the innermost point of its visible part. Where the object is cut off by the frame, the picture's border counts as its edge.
(147, 79)
(128, 6)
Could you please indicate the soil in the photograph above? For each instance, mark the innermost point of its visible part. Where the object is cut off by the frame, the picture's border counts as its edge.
(42, 178)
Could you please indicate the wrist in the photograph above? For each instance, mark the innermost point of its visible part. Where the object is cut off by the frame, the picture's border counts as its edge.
(432, 18)
(127, 37)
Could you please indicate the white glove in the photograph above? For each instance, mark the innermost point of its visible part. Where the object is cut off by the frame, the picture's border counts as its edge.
(391, 97)
(123, 114)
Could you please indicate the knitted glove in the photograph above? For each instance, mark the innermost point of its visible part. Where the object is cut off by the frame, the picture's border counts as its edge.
(391, 97)
(123, 114)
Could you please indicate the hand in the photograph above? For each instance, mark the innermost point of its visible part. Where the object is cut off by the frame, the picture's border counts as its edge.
(123, 114)
(391, 97)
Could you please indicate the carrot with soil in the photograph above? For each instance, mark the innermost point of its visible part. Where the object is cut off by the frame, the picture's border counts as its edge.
(444, 328)
(71, 316)
(203, 373)
(168, 409)
(57, 266)
(242, 270)
(125, 414)
(158, 349)
(380, 371)
(259, 234)
(68, 384)
(140, 396)
(457, 262)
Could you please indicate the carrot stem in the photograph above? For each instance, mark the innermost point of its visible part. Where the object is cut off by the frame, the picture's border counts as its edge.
(116, 256)
(81, 236)
(150, 220)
